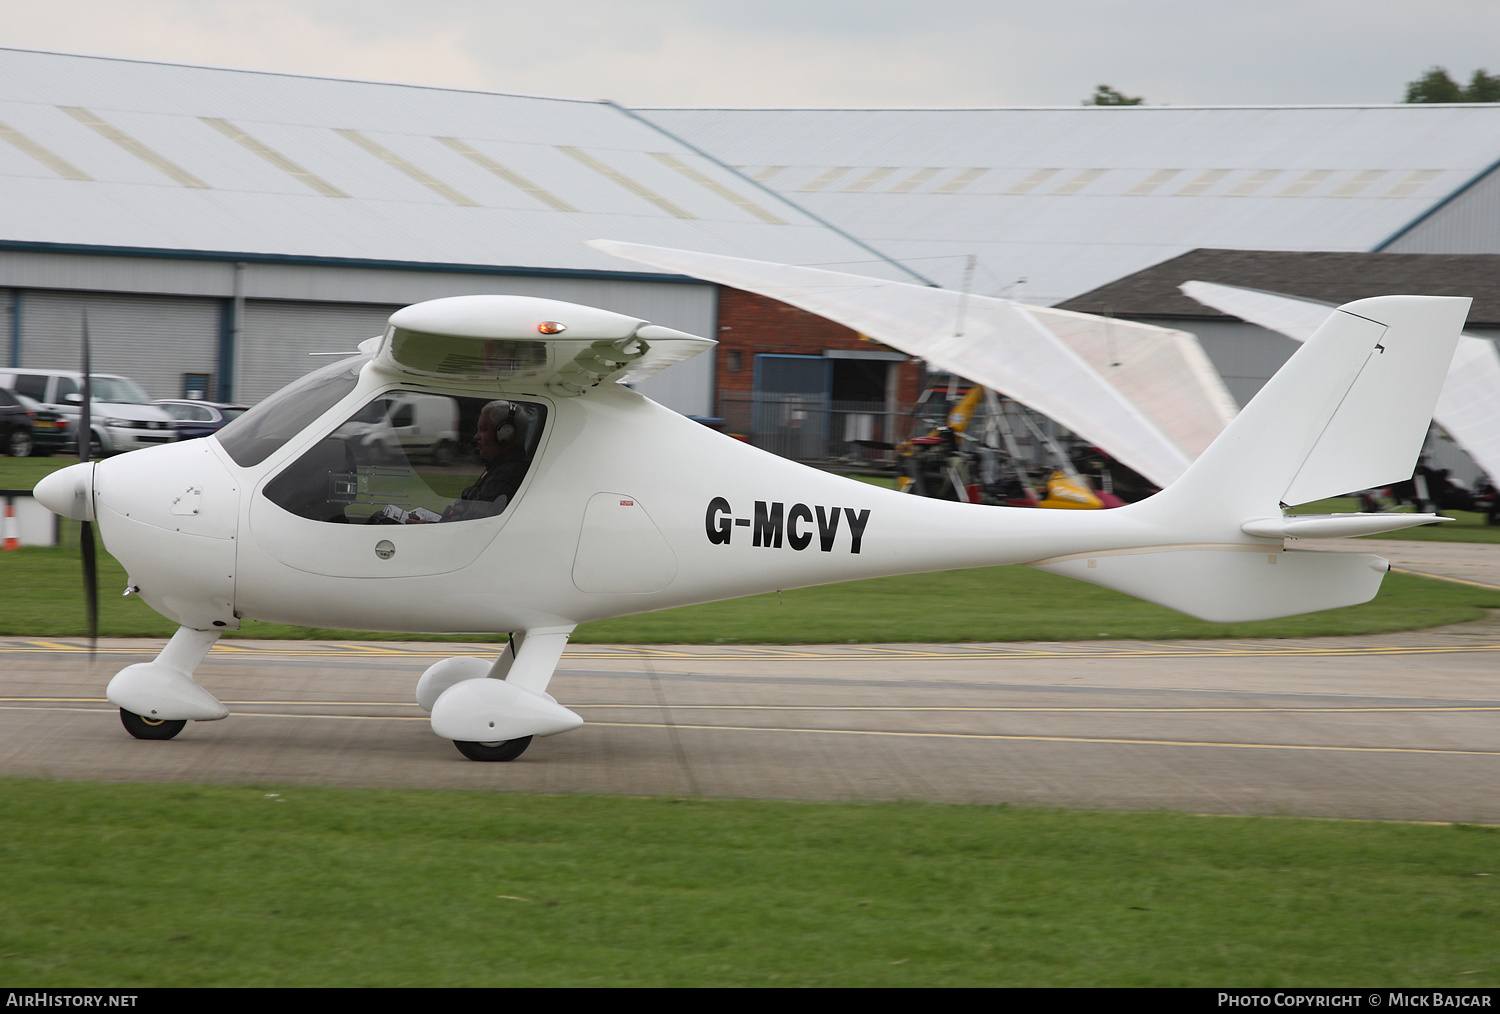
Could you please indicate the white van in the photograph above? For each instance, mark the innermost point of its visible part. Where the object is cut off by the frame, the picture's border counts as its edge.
(410, 425)
(122, 417)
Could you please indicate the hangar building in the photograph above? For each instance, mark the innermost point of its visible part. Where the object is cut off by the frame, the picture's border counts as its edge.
(1053, 203)
(1246, 355)
(219, 225)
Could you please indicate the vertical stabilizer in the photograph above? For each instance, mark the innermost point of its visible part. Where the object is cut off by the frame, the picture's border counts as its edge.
(1347, 412)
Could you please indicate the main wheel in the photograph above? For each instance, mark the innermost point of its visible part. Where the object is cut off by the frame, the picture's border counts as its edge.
(149, 728)
(507, 750)
(20, 443)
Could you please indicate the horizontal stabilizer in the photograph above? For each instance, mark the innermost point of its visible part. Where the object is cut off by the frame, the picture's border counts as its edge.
(1231, 584)
(1334, 526)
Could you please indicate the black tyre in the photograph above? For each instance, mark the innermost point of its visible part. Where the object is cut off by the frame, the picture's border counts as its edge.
(149, 728)
(442, 453)
(509, 750)
(20, 444)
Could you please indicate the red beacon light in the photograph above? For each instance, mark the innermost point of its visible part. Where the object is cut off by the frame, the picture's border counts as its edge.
(551, 327)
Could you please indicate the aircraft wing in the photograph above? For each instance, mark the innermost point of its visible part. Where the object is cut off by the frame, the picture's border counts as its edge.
(1146, 395)
(527, 344)
(1468, 407)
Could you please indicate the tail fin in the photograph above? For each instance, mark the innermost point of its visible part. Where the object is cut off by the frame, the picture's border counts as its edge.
(1348, 411)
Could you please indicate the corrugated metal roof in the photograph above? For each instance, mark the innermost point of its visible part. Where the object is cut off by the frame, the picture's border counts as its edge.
(1070, 199)
(105, 152)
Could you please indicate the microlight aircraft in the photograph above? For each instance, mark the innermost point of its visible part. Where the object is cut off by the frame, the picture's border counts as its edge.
(596, 502)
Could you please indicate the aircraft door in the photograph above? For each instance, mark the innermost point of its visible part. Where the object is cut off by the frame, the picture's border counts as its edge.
(620, 549)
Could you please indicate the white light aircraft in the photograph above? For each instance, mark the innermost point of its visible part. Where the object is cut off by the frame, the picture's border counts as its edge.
(596, 502)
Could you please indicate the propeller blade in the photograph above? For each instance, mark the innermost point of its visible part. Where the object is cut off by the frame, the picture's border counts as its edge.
(86, 530)
(90, 581)
(85, 422)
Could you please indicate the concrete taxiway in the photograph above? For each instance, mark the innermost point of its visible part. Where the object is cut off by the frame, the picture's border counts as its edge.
(1397, 726)
(1465, 562)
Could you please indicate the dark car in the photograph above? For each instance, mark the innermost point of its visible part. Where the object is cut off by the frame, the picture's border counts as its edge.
(15, 427)
(199, 418)
(51, 431)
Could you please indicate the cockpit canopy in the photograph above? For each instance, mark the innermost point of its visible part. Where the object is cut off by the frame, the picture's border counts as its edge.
(409, 457)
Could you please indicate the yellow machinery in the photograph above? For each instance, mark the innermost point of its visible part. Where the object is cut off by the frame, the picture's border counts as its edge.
(939, 465)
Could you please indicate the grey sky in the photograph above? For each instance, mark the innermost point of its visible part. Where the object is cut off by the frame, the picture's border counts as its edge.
(806, 52)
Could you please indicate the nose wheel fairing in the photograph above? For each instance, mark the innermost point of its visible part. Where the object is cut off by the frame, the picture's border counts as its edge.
(163, 690)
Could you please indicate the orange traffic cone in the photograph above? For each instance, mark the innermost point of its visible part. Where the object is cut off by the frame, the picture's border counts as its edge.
(12, 526)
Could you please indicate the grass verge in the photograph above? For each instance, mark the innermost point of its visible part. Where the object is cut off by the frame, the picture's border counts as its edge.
(42, 592)
(145, 885)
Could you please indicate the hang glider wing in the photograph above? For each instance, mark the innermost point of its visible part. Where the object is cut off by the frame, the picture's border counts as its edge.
(1145, 395)
(1163, 372)
(527, 343)
(1468, 406)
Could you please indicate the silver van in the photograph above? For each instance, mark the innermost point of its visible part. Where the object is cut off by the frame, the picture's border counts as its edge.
(122, 417)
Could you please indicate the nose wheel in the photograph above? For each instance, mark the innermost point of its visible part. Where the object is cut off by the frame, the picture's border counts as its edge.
(142, 727)
(506, 750)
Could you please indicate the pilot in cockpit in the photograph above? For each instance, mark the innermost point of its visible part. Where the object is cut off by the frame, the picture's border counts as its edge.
(499, 439)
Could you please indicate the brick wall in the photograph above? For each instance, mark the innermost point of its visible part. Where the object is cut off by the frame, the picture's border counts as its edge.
(751, 325)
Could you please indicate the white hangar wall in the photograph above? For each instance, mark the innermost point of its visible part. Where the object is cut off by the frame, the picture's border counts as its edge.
(155, 340)
(1467, 223)
(158, 319)
(129, 181)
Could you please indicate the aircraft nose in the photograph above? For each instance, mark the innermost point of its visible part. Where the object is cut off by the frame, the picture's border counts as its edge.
(169, 514)
(69, 492)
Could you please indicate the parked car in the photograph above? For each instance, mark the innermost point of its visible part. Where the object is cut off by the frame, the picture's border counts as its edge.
(122, 417)
(51, 431)
(15, 427)
(198, 418)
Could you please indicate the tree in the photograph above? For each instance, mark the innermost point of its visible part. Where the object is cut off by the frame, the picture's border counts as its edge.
(1104, 95)
(1437, 86)
(1483, 88)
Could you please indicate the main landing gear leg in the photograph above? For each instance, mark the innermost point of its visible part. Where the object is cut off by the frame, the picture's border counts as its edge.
(492, 711)
(156, 699)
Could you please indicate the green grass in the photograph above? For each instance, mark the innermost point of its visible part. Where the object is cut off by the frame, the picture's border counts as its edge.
(42, 591)
(41, 588)
(1014, 604)
(25, 473)
(143, 885)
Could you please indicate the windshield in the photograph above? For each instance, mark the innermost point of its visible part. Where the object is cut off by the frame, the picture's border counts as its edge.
(256, 435)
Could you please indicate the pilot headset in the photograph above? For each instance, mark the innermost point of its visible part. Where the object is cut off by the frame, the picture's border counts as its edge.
(507, 430)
